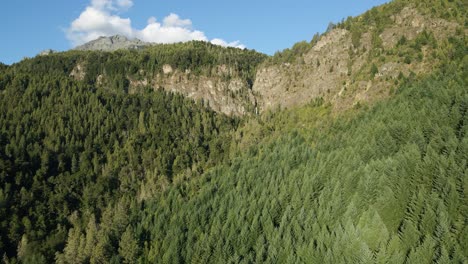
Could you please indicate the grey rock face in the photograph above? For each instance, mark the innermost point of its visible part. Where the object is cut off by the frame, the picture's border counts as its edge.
(113, 43)
(231, 96)
(46, 52)
(339, 72)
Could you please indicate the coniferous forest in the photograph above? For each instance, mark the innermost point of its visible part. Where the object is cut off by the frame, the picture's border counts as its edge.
(93, 174)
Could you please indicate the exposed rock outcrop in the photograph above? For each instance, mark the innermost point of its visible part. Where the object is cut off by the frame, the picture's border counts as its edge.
(223, 89)
(113, 43)
(78, 72)
(46, 52)
(336, 70)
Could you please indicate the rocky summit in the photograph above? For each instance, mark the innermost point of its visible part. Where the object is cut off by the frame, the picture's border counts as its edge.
(113, 43)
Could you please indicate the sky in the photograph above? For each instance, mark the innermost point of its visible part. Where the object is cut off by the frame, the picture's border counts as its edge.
(29, 26)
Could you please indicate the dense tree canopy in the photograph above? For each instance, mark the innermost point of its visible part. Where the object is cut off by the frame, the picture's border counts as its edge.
(95, 176)
(388, 184)
(196, 56)
(92, 174)
(69, 151)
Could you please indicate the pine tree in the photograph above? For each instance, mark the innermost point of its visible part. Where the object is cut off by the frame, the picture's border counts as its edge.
(128, 246)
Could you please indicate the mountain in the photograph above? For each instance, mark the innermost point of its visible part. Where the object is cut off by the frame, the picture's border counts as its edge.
(113, 43)
(222, 77)
(356, 62)
(350, 148)
(361, 58)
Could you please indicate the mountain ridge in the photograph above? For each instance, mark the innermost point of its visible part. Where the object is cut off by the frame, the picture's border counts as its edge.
(112, 43)
(359, 60)
(356, 62)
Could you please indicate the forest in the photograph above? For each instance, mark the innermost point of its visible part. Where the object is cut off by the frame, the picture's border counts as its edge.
(70, 149)
(197, 57)
(93, 174)
(387, 185)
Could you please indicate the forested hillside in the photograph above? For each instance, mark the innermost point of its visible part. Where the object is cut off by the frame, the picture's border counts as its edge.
(222, 77)
(382, 185)
(107, 157)
(70, 151)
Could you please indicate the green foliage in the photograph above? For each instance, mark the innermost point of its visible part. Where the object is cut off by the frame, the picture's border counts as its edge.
(196, 57)
(3, 66)
(361, 189)
(128, 247)
(374, 70)
(356, 32)
(402, 41)
(69, 150)
(452, 10)
(293, 54)
(91, 174)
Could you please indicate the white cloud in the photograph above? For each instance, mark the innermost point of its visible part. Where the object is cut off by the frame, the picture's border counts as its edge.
(101, 18)
(174, 20)
(173, 29)
(94, 22)
(124, 3)
(235, 44)
(160, 33)
(152, 20)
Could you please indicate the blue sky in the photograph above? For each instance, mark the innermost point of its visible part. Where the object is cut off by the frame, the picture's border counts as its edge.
(30, 26)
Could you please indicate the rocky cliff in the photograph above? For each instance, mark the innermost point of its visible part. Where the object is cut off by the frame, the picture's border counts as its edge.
(359, 61)
(338, 69)
(224, 90)
(220, 77)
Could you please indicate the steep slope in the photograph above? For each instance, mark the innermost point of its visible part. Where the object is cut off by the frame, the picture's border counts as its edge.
(387, 185)
(356, 62)
(221, 77)
(69, 150)
(363, 57)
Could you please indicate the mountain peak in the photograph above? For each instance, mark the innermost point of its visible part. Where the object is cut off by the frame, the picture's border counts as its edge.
(112, 43)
